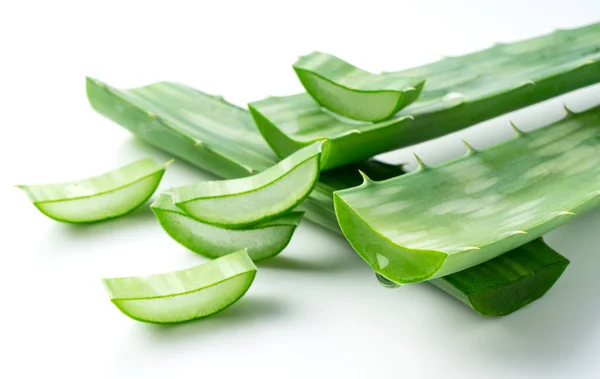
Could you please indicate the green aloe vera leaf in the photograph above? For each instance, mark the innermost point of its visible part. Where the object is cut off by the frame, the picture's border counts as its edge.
(242, 202)
(460, 92)
(509, 282)
(214, 114)
(439, 220)
(352, 92)
(262, 241)
(100, 198)
(184, 295)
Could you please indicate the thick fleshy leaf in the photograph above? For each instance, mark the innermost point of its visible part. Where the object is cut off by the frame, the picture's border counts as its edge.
(184, 295)
(459, 92)
(188, 114)
(443, 219)
(262, 241)
(103, 197)
(352, 92)
(239, 203)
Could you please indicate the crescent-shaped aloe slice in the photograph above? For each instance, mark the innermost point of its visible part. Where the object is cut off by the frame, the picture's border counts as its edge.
(239, 203)
(180, 115)
(262, 241)
(184, 295)
(460, 92)
(352, 92)
(443, 219)
(103, 197)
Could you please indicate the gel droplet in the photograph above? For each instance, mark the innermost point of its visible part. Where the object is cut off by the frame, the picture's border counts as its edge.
(386, 282)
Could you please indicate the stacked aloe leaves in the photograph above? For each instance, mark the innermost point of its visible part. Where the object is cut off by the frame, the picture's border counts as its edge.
(471, 226)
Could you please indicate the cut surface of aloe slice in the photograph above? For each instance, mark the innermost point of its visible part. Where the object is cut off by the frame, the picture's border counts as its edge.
(352, 92)
(459, 92)
(262, 241)
(442, 219)
(103, 197)
(252, 154)
(184, 295)
(238, 203)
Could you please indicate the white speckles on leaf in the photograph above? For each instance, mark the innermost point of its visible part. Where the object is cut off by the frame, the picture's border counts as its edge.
(479, 185)
(455, 96)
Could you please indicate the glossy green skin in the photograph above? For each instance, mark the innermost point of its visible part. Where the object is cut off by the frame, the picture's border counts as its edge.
(352, 92)
(509, 282)
(237, 129)
(107, 196)
(251, 200)
(443, 219)
(460, 92)
(262, 241)
(184, 295)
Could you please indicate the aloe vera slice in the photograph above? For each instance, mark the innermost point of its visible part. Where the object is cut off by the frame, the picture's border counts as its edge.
(103, 197)
(238, 203)
(262, 241)
(460, 92)
(188, 114)
(184, 295)
(443, 219)
(352, 92)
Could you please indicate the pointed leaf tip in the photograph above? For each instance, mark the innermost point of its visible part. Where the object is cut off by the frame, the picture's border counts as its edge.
(518, 131)
(366, 179)
(169, 162)
(470, 149)
(420, 163)
(566, 213)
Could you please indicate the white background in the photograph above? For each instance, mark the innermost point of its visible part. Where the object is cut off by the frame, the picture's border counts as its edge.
(316, 311)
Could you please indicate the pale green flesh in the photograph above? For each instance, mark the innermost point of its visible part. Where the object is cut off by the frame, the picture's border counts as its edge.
(184, 295)
(103, 197)
(238, 203)
(443, 219)
(352, 92)
(254, 155)
(262, 241)
(459, 92)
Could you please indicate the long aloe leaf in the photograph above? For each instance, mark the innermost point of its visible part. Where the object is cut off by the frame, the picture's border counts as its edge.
(239, 203)
(460, 92)
(443, 219)
(352, 92)
(184, 295)
(181, 115)
(262, 241)
(100, 198)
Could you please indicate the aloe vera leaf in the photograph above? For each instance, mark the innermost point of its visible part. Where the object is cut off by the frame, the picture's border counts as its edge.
(508, 282)
(239, 203)
(352, 92)
(439, 220)
(121, 107)
(262, 241)
(184, 295)
(460, 92)
(100, 198)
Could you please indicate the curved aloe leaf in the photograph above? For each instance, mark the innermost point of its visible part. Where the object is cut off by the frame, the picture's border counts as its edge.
(262, 241)
(184, 295)
(100, 198)
(460, 92)
(352, 92)
(238, 203)
(200, 115)
(443, 219)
